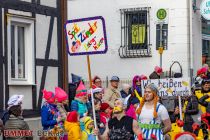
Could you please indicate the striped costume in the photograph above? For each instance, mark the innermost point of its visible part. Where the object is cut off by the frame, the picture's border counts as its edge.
(152, 129)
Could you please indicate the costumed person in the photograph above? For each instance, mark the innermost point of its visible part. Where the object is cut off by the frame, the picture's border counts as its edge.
(136, 89)
(121, 127)
(152, 114)
(49, 114)
(72, 126)
(89, 133)
(191, 113)
(126, 90)
(131, 109)
(105, 115)
(97, 93)
(80, 103)
(205, 87)
(112, 92)
(61, 99)
(97, 83)
(156, 73)
(205, 118)
(16, 121)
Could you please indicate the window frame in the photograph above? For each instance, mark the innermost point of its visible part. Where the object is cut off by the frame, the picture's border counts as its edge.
(28, 24)
(129, 52)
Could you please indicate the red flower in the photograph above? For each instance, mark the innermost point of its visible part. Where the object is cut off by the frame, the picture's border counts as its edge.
(153, 137)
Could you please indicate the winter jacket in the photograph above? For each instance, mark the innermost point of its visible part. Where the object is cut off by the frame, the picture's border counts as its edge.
(73, 130)
(80, 107)
(17, 123)
(154, 75)
(200, 94)
(48, 118)
(204, 102)
(110, 95)
(62, 111)
(191, 109)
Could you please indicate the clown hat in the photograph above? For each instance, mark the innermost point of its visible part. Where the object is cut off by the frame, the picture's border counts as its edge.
(48, 96)
(60, 95)
(81, 90)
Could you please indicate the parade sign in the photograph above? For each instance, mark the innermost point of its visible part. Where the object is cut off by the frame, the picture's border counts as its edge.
(170, 87)
(205, 9)
(86, 36)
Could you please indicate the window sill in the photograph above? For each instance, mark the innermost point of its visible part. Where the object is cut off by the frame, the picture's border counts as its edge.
(124, 52)
(19, 82)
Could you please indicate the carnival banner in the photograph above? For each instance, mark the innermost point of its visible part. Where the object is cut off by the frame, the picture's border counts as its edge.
(170, 86)
(86, 36)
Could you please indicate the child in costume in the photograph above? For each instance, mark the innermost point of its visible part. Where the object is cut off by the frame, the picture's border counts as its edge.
(61, 99)
(87, 133)
(72, 126)
(80, 103)
(49, 113)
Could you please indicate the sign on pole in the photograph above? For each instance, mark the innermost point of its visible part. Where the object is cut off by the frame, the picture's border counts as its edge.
(170, 87)
(86, 36)
(205, 9)
(162, 16)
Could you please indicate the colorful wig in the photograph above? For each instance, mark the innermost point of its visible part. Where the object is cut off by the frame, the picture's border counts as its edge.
(155, 92)
(136, 78)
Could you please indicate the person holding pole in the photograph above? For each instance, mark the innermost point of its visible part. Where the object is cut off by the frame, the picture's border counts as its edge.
(152, 114)
(112, 93)
(121, 127)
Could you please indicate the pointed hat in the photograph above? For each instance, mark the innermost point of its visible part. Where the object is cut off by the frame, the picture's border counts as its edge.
(60, 94)
(81, 90)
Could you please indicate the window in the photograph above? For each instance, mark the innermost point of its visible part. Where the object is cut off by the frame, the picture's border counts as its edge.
(162, 40)
(20, 50)
(135, 33)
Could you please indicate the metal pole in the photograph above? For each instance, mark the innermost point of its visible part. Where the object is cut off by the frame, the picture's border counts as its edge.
(91, 93)
(161, 42)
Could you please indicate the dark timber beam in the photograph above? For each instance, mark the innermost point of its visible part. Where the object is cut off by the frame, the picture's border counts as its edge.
(48, 62)
(47, 54)
(6, 93)
(64, 54)
(29, 7)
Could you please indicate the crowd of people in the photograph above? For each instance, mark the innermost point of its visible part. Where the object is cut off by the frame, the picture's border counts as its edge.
(126, 114)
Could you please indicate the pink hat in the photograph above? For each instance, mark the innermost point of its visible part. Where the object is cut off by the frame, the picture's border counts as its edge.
(81, 90)
(143, 77)
(204, 70)
(60, 95)
(48, 96)
(158, 69)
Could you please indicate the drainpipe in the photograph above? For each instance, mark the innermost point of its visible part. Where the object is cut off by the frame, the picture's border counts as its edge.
(190, 47)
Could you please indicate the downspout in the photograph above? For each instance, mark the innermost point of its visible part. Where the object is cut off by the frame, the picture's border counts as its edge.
(190, 47)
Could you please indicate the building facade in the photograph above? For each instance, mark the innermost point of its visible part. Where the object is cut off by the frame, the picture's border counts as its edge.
(134, 35)
(32, 50)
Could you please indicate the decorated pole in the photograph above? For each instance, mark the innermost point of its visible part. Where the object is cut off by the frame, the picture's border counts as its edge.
(87, 36)
(91, 92)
